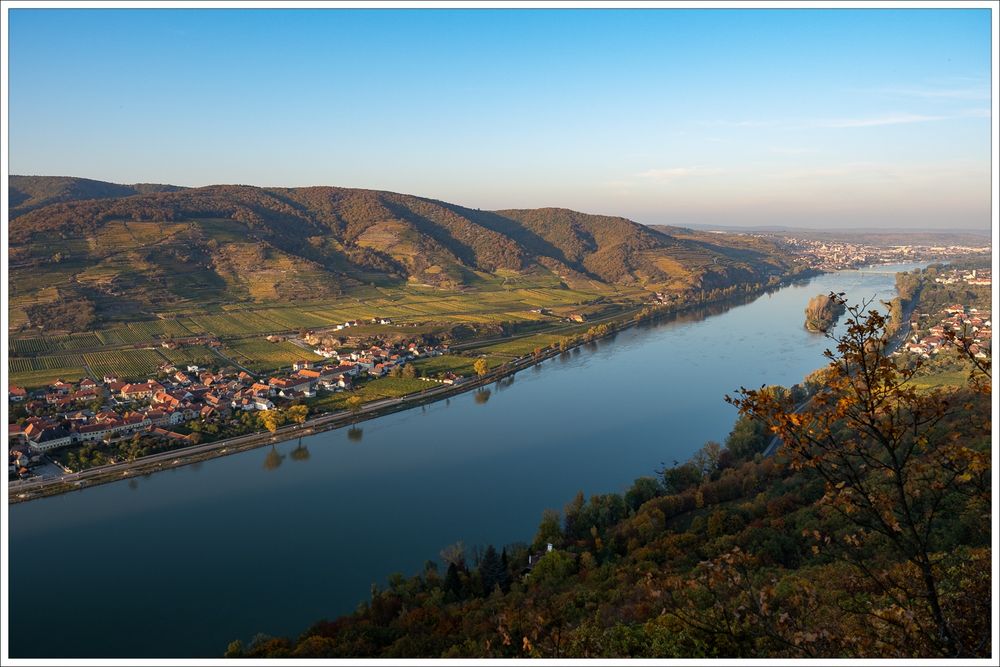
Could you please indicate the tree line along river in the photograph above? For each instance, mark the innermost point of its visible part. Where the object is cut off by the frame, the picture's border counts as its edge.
(180, 563)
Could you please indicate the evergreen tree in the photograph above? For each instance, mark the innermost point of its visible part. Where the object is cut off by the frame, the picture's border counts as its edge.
(491, 570)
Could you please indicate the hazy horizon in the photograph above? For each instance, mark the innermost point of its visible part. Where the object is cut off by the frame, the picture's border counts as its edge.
(825, 119)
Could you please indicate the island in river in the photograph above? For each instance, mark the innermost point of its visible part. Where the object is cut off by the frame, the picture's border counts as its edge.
(823, 311)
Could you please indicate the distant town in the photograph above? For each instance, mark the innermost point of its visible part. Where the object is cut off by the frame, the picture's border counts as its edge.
(837, 256)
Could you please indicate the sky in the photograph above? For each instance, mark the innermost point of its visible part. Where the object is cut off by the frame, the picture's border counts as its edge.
(804, 118)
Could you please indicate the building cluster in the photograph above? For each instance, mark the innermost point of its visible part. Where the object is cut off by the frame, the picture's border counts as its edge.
(980, 277)
(839, 255)
(963, 322)
(74, 413)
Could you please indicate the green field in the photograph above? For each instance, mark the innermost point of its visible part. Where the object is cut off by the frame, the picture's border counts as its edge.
(454, 363)
(373, 390)
(36, 372)
(940, 379)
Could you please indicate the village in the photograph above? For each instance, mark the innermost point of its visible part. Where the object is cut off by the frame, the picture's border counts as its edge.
(969, 324)
(177, 407)
(964, 322)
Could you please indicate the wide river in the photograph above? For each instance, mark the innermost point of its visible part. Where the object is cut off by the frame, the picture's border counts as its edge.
(180, 563)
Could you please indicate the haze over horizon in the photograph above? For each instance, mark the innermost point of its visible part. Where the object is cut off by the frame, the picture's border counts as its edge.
(798, 118)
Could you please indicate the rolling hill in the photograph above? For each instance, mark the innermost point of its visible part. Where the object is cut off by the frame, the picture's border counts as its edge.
(30, 192)
(147, 249)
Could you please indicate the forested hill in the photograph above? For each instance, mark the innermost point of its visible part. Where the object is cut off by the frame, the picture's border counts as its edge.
(30, 192)
(331, 238)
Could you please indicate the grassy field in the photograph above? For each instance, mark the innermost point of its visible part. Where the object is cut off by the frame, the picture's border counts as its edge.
(373, 390)
(940, 379)
(454, 363)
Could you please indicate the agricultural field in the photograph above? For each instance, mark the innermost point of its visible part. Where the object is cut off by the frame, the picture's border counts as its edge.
(295, 318)
(121, 336)
(521, 346)
(28, 346)
(165, 328)
(198, 355)
(80, 341)
(40, 371)
(234, 324)
(127, 364)
(260, 355)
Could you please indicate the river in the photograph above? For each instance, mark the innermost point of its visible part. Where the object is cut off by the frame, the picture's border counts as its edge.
(180, 563)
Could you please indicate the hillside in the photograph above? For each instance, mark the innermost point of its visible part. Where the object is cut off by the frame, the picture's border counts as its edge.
(117, 254)
(30, 192)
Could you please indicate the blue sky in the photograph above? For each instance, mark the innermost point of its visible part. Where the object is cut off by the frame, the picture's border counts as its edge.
(790, 117)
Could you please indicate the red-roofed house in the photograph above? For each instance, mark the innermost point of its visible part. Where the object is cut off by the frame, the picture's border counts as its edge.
(144, 390)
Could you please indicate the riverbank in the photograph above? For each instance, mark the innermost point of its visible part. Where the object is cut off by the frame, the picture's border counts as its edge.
(31, 489)
(896, 339)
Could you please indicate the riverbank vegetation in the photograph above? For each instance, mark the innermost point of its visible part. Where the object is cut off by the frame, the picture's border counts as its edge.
(866, 535)
(822, 312)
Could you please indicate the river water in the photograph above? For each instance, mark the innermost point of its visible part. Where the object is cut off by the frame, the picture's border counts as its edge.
(180, 563)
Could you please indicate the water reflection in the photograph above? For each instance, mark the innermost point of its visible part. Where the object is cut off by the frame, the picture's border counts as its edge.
(505, 382)
(355, 433)
(300, 453)
(133, 484)
(273, 459)
(483, 395)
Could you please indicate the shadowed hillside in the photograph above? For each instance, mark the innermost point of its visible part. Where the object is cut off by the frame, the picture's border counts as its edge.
(227, 243)
(30, 192)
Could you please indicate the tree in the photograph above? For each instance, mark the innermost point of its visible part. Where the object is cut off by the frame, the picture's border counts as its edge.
(454, 554)
(549, 529)
(492, 571)
(643, 490)
(270, 419)
(894, 470)
(481, 367)
(297, 413)
(353, 403)
(409, 371)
